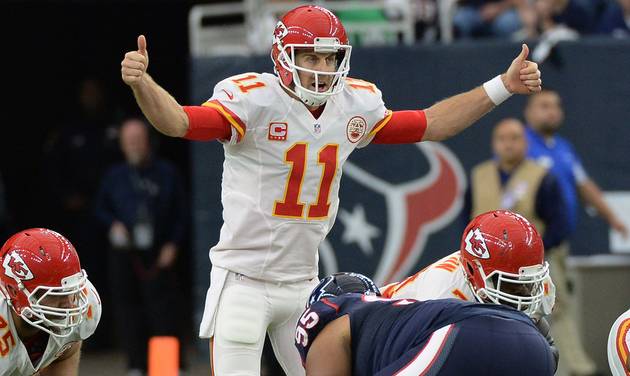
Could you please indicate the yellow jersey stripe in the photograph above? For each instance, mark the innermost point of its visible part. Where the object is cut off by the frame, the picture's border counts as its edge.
(226, 115)
(382, 123)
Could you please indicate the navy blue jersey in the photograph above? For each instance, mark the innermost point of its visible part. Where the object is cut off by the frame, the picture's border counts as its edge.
(315, 318)
(383, 329)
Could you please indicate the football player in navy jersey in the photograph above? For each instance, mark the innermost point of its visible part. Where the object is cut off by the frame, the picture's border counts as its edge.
(348, 329)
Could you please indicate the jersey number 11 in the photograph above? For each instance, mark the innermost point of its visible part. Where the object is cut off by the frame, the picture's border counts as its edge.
(291, 206)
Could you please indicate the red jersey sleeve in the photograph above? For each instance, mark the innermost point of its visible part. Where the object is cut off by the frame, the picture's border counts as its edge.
(403, 127)
(206, 123)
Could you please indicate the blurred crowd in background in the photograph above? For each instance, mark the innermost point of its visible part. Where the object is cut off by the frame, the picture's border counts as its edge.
(529, 19)
(507, 19)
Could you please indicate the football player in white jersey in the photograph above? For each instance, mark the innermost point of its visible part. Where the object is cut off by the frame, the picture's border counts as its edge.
(619, 346)
(286, 137)
(501, 260)
(47, 308)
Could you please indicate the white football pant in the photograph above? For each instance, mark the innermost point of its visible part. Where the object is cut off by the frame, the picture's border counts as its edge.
(247, 310)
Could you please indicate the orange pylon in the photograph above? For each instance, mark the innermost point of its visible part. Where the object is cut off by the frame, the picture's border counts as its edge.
(163, 356)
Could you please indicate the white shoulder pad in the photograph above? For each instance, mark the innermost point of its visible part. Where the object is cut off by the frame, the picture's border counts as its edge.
(363, 98)
(366, 97)
(93, 315)
(441, 280)
(548, 300)
(247, 89)
(439, 283)
(240, 98)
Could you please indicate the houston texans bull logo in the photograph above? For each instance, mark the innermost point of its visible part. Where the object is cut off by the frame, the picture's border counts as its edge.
(412, 211)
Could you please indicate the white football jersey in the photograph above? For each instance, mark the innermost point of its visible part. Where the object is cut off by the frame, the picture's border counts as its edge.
(619, 346)
(14, 359)
(282, 170)
(445, 279)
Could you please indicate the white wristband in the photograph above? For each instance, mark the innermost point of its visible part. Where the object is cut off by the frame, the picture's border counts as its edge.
(495, 89)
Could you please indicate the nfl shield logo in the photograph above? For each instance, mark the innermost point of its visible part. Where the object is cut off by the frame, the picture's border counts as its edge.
(317, 128)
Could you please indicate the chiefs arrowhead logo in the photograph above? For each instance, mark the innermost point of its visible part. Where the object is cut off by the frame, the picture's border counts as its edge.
(15, 267)
(476, 244)
(280, 31)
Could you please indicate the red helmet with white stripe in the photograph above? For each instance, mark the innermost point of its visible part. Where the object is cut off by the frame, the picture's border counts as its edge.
(504, 260)
(42, 279)
(314, 28)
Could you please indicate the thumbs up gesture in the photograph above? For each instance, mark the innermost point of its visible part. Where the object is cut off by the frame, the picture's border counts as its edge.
(523, 76)
(135, 63)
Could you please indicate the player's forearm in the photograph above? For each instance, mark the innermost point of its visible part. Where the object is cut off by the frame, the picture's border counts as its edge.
(160, 108)
(452, 115)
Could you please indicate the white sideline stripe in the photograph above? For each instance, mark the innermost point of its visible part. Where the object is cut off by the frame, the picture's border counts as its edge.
(425, 358)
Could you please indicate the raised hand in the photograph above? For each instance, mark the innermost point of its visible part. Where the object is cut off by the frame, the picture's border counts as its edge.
(135, 63)
(523, 76)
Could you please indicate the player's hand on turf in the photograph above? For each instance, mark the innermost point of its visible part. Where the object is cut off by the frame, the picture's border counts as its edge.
(135, 63)
(523, 76)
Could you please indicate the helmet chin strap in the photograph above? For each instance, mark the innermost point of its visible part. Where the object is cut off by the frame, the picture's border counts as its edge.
(310, 99)
(303, 95)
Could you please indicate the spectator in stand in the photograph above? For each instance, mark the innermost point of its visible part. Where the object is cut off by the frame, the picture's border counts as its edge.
(498, 18)
(141, 202)
(426, 20)
(556, 21)
(615, 19)
(570, 13)
(544, 115)
(510, 181)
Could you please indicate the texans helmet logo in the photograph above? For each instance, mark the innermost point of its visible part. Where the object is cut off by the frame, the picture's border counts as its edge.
(398, 217)
(15, 267)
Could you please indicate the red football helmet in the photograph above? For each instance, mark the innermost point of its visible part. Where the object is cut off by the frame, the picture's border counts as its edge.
(504, 260)
(316, 28)
(42, 280)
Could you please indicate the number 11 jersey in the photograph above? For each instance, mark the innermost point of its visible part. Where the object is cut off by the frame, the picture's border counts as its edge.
(282, 171)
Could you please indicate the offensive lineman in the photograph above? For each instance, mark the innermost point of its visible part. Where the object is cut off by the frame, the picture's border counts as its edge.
(285, 139)
(496, 247)
(501, 261)
(47, 306)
